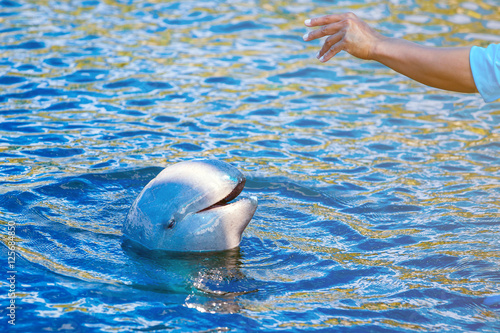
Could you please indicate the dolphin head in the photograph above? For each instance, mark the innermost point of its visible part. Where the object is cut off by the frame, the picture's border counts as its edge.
(189, 207)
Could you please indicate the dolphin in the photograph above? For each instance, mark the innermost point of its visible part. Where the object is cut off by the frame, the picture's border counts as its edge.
(189, 207)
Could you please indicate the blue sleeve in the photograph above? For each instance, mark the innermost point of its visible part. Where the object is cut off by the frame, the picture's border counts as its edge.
(485, 66)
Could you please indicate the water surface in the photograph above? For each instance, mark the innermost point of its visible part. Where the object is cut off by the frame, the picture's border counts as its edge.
(378, 197)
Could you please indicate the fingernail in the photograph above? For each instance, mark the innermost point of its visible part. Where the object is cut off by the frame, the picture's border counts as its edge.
(322, 59)
(317, 54)
(305, 36)
(307, 22)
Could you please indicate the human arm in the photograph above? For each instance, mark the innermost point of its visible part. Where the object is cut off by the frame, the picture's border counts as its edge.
(444, 68)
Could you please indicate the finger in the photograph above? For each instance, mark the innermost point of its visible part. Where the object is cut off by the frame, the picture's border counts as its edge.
(336, 48)
(329, 42)
(327, 19)
(325, 30)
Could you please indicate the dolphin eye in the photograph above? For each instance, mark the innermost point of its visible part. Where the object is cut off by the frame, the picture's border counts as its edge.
(170, 224)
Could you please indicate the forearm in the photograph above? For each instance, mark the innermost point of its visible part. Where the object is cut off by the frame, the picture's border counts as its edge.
(444, 68)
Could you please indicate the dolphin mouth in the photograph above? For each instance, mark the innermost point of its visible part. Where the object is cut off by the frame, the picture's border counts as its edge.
(228, 199)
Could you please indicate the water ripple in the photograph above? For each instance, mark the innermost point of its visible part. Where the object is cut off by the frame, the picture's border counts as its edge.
(378, 197)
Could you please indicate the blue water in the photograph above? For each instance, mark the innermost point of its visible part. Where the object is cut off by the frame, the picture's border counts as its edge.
(378, 197)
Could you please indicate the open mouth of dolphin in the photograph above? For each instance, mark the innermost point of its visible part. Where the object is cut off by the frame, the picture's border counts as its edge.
(229, 199)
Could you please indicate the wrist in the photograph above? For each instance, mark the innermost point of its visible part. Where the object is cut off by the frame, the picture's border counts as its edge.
(380, 47)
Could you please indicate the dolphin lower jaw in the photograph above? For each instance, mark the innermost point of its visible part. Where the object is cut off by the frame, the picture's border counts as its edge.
(238, 216)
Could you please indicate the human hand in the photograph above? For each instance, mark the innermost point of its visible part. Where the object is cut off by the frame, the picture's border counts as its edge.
(347, 32)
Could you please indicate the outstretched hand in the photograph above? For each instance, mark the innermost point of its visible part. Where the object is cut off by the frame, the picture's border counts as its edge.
(347, 33)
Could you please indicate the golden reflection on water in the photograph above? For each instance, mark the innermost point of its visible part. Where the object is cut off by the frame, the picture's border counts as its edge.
(435, 126)
(64, 269)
